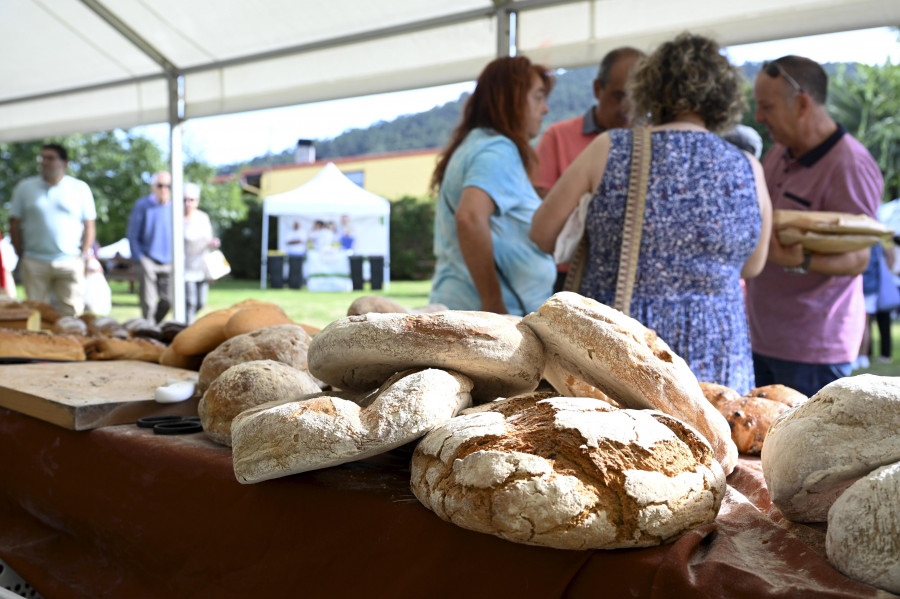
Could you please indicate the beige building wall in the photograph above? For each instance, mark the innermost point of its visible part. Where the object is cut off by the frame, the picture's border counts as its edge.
(391, 176)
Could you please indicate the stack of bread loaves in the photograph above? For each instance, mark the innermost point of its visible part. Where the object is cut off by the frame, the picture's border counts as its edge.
(837, 457)
(640, 466)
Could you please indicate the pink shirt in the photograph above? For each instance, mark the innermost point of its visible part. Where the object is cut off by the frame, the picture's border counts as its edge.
(813, 318)
(560, 144)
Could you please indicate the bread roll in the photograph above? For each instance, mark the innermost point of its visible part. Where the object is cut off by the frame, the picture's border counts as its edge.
(750, 419)
(780, 393)
(204, 335)
(19, 343)
(863, 537)
(627, 361)
(501, 356)
(255, 316)
(285, 343)
(814, 451)
(108, 348)
(569, 473)
(375, 303)
(283, 438)
(247, 385)
(717, 394)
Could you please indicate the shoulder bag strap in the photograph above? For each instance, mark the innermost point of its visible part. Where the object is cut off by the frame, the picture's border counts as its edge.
(634, 217)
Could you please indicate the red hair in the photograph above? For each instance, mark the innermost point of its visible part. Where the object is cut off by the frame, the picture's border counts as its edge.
(498, 103)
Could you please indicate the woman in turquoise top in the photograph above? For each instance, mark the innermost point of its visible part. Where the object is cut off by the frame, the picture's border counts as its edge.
(485, 260)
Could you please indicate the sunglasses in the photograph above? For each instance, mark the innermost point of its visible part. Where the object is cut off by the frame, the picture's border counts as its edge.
(773, 69)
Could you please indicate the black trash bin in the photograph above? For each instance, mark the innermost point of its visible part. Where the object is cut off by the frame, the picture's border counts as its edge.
(276, 271)
(356, 272)
(376, 263)
(295, 271)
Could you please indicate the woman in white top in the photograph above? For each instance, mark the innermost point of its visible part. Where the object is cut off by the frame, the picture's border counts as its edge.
(198, 239)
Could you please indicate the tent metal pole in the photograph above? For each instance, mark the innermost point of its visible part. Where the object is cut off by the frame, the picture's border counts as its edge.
(264, 249)
(176, 167)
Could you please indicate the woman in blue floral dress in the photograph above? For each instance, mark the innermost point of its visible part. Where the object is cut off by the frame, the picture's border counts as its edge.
(707, 220)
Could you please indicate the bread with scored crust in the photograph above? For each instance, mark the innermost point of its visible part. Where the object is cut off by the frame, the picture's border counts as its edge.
(19, 343)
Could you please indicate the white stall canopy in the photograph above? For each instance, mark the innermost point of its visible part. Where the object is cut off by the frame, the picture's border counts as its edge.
(330, 198)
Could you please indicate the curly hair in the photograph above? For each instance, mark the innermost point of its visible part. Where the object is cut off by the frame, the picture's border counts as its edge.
(498, 103)
(687, 74)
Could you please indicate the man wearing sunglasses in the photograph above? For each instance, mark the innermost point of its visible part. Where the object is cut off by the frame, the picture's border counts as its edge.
(807, 310)
(150, 237)
(51, 227)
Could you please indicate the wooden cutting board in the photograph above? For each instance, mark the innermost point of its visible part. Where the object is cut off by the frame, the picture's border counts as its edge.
(86, 395)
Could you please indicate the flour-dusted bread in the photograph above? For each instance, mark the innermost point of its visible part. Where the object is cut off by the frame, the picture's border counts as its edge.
(279, 439)
(247, 385)
(814, 451)
(863, 538)
(628, 362)
(568, 385)
(569, 473)
(501, 356)
(286, 343)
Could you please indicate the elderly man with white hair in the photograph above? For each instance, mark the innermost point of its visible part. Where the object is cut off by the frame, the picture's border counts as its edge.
(150, 238)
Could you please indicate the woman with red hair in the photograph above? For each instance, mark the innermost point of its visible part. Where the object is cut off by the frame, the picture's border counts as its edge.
(485, 260)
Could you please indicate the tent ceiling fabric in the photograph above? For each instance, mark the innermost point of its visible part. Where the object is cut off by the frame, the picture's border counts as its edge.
(78, 65)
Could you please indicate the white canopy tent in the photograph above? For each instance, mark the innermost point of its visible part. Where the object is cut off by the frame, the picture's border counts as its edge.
(328, 197)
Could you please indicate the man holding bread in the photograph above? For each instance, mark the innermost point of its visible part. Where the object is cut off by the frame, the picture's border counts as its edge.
(807, 310)
(51, 226)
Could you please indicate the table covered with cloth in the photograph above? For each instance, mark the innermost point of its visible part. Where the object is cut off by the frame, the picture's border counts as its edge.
(121, 512)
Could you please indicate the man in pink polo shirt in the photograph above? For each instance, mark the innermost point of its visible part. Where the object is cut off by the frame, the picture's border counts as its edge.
(563, 141)
(807, 310)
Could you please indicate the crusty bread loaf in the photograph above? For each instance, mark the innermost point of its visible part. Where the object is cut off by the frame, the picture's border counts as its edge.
(70, 325)
(375, 303)
(247, 385)
(49, 314)
(285, 343)
(863, 537)
(570, 473)
(255, 316)
(203, 335)
(567, 385)
(108, 348)
(628, 362)
(19, 343)
(814, 451)
(283, 438)
(501, 356)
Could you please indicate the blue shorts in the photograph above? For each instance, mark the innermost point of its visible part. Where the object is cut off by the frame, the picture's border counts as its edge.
(805, 378)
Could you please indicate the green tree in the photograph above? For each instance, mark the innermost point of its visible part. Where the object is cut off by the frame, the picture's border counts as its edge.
(868, 105)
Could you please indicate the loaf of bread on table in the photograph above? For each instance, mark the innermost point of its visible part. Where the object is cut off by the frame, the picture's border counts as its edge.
(110, 348)
(19, 343)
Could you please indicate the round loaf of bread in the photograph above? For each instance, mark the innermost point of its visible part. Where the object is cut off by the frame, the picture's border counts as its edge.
(245, 386)
(285, 343)
(375, 303)
(286, 438)
(569, 473)
(814, 451)
(863, 538)
(627, 361)
(717, 394)
(750, 419)
(501, 356)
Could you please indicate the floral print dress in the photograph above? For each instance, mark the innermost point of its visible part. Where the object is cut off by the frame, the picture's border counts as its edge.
(701, 223)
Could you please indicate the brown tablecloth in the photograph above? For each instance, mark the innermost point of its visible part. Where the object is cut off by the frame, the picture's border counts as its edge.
(120, 512)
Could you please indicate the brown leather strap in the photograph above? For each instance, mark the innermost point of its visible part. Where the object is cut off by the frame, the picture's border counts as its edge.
(641, 147)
